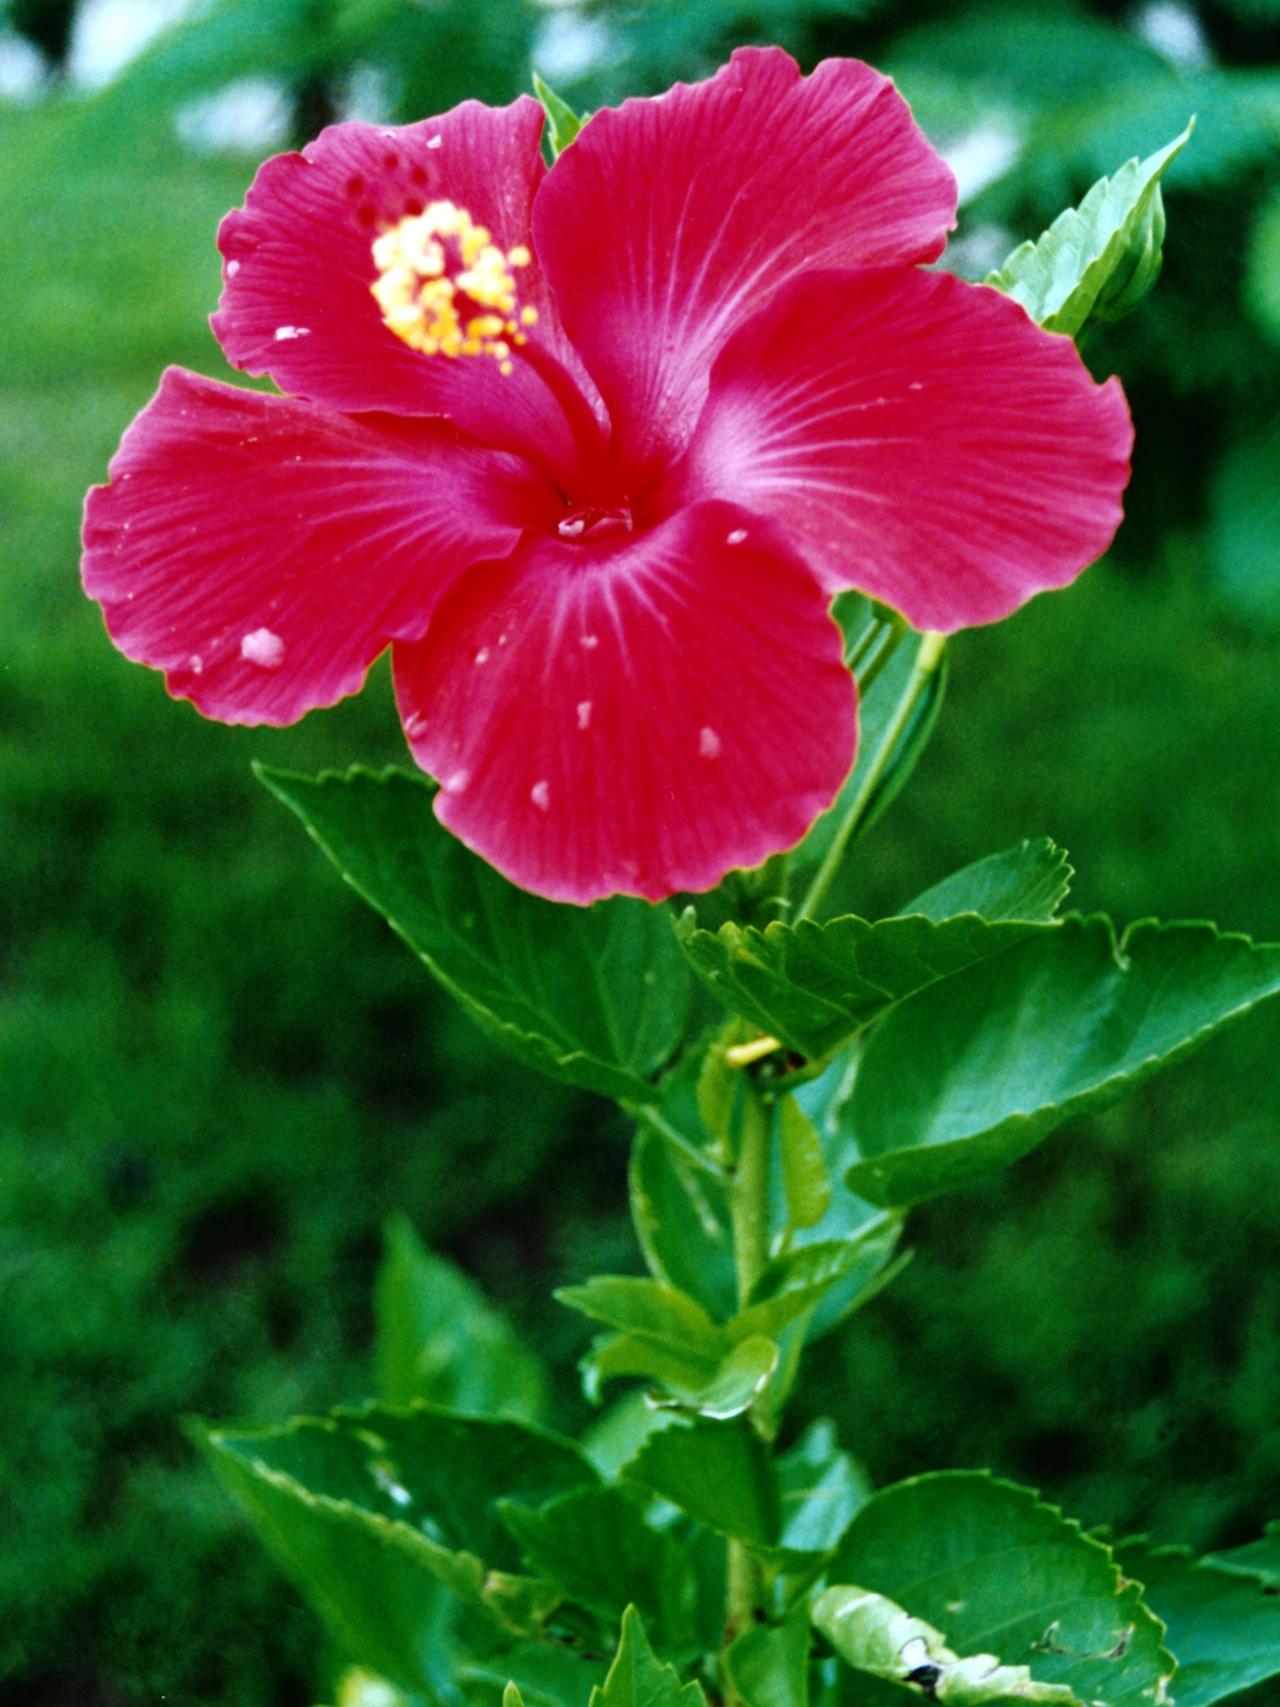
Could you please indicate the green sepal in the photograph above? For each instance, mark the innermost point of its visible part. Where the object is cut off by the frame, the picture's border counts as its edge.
(972, 1557)
(439, 1339)
(815, 986)
(596, 1544)
(1097, 261)
(563, 124)
(974, 1072)
(1223, 1622)
(637, 1678)
(594, 996)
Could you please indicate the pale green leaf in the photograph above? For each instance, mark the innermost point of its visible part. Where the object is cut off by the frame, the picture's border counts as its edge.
(988, 1567)
(681, 1222)
(563, 124)
(972, 1073)
(1110, 243)
(769, 1666)
(723, 1390)
(595, 996)
(795, 1283)
(822, 1490)
(805, 1180)
(719, 1473)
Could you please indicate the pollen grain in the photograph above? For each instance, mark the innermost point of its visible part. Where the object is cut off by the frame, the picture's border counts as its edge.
(445, 288)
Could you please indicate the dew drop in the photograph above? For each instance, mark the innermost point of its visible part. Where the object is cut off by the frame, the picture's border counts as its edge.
(915, 386)
(414, 725)
(590, 641)
(584, 714)
(263, 648)
(571, 527)
(195, 663)
(435, 142)
(737, 537)
(286, 334)
(457, 782)
(482, 656)
(502, 639)
(233, 267)
(540, 794)
(708, 743)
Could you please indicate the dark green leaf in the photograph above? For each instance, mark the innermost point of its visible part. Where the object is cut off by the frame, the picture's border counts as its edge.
(1223, 1625)
(769, 1666)
(596, 1544)
(822, 1490)
(974, 1072)
(815, 986)
(1098, 259)
(719, 1473)
(637, 1678)
(563, 124)
(988, 1566)
(438, 1338)
(682, 1223)
(596, 996)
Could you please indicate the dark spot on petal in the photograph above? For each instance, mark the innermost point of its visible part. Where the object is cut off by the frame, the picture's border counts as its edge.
(418, 178)
(355, 184)
(367, 215)
(390, 161)
(413, 206)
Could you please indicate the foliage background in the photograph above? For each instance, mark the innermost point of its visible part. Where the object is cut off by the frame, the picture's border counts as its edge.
(220, 1073)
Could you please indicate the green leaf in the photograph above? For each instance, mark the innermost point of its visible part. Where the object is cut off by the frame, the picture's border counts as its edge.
(545, 1674)
(438, 1338)
(596, 1544)
(721, 1391)
(1099, 259)
(719, 1473)
(1259, 1558)
(805, 1180)
(595, 996)
(822, 1490)
(769, 1666)
(973, 1073)
(651, 1314)
(637, 1678)
(814, 986)
(681, 1222)
(793, 1284)
(873, 1635)
(982, 1561)
(563, 124)
(1223, 1625)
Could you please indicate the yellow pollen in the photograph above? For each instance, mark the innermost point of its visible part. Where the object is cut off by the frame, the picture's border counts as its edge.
(420, 299)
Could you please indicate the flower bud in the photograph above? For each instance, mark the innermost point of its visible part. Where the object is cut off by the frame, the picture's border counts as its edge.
(1139, 268)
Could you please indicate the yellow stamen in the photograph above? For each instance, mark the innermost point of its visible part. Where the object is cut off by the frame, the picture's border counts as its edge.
(419, 297)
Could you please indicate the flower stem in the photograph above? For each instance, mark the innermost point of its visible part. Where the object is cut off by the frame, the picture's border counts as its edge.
(749, 1211)
(927, 660)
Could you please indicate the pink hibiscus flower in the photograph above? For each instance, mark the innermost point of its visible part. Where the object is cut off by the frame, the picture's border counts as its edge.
(591, 448)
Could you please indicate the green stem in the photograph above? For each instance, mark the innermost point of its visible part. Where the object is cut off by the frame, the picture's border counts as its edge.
(749, 1210)
(927, 659)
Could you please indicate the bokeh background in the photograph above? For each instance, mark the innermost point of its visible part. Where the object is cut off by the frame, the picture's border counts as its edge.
(219, 1073)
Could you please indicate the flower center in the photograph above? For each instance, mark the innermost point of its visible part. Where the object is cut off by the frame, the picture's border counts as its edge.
(446, 289)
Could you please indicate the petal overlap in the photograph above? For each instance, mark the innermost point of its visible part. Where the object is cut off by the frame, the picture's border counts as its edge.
(263, 551)
(928, 443)
(638, 716)
(671, 218)
(298, 271)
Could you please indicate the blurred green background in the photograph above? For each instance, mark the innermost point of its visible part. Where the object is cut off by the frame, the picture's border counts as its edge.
(219, 1073)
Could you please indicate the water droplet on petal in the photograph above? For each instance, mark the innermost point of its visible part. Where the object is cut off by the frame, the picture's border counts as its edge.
(285, 334)
(737, 537)
(708, 743)
(590, 642)
(435, 142)
(233, 267)
(571, 527)
(540, 794)
(457, 782)
(584, 714)
(482, 656)
(195, 663)
(263, 648)
(414, 725)
(502, 639)
(915, 385)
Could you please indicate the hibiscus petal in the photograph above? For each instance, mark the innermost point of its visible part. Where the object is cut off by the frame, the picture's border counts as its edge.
(928, 443)
(638, 716)
(670, 219)
(262, 551)
(298, 271)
